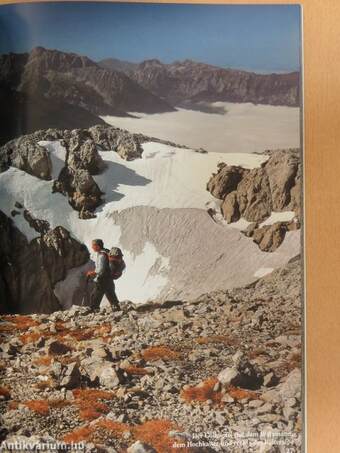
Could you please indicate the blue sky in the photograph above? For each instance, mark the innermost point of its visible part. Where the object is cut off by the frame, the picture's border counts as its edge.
(260, 38)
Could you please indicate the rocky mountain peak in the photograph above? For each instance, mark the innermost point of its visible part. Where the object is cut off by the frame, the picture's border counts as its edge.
(52, 59)
(188, 80)
(153, 62)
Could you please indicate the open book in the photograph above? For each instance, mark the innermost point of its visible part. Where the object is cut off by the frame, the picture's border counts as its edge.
(164, 140)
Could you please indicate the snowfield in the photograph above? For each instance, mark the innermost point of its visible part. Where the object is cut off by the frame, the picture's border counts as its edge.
(165, 177)
(243, 127)
(156, 211)
(57, 155)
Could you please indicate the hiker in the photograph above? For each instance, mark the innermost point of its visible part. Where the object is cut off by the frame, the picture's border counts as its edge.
(102, 277)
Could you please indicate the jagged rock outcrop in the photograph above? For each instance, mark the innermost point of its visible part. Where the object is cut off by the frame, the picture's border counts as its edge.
(226, 363)
(27, 155)
(40, 226)
(230, 207)
(255, 194)
(82, 153)
(82, 159)
(270, 237)
(284, 176)
(80, 187)
(225, 181)
(126, 144)
(29, 270)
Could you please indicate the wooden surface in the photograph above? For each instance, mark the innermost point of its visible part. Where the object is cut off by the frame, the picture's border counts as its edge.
(322, 219)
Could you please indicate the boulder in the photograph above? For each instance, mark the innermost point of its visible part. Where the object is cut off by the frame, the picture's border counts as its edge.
(50, 255)
(58, 348)
(82, 190)
(128, 148)
(227, 375)
(71, 377)
(230, 208)
(108, 376)
(140, 447)
(251, 228)
(296, 198)
(40, 226)
(291, 387)
(270, 237)
(254, 196)
(248, 377)
(225, 180)
(127, 145)
(100, 372)
(282, 168)
(83, 154)
(25, 153)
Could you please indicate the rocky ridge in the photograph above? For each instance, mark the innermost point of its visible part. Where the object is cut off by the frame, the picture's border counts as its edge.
(82, 160)
(254, 194)
(188, 82)
(60, 75)
(61, 90)
(43, 113)
(30, 270)
(149, 376)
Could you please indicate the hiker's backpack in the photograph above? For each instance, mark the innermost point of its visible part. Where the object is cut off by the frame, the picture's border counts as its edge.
(116, 262)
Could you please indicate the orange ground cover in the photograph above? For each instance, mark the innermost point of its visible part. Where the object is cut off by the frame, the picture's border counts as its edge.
(136, 371)
(20, 322)
(117, 429)
(39, 406)
(4, 391)
(159, 352)
(92, 394)
(240, 394)
(202, 392)
(44, 360)
(79, 434)
(87, 400)
(30, 337)
(12, 405)
(152, 432)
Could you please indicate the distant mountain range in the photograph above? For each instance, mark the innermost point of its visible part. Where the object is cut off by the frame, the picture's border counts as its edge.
(186, 82)
(66, 90)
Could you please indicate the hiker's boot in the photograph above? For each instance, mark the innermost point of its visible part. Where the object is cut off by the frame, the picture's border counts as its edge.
(115, 308)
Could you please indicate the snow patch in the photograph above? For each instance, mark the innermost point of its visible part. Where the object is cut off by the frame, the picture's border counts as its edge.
(168, 252)
(145, 275)
(165, 177)
(36, 196)
(285, 216)
(263, 271)
(57, 155)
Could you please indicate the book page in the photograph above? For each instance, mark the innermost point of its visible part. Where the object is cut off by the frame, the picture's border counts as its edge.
(151, 214)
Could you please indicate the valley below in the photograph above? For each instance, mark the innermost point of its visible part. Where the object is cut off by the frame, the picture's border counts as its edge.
(236, 128)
